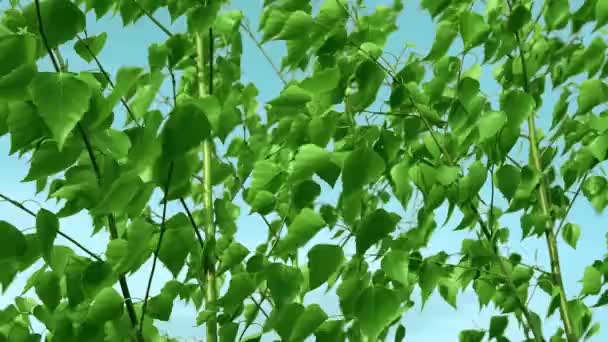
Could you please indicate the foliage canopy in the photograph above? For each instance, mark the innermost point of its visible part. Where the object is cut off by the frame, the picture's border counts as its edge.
(440, 141)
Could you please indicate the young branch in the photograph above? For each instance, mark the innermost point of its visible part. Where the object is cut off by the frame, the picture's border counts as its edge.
(545, 205)
(211, 288)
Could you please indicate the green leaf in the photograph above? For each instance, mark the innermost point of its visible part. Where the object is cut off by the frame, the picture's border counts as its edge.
(232, 256)
(603, 300)
(126, 78)
(518, 106)
(242, 285)
(446, 32)
(15, 51)
(592, 281)
(601, 13)
(160, 307)
(62, 99)
(111, 142)
(107, 305)
(15, 86)
(48, 290)
(402, 187)
(310, 159)
(175, 248)
(361, 167)
(556, 14)
(484, 290)
(591, 93)
(13, 242)
(324, 80)
(448, 289)
(400, 333)
(90, 47)
(284, 282)
(430, 274)
(376, 307)
(490, 124)
(204, 316)
(186, 129)
(222, 122)
(297, 25)
(283, 318)
(120, 192)
(263, 202)
(519, 17)
(471, 336)
(474, 181)
(47, 160)
(323, 261)
(434, 7)
(374, 227)
(306, 324)
(507, 179)
(137, 231)
(473, 29)
(116, 251)
(395, 265)
(332, 12)
(304, 226)
(157, 56)
(201, 17)
(498, 324)
(47, 226)
(291, 96)
(263, 173)
(446, 175)
(330, 331)
(146, 93)
(369, 77)
(272, 22)
(55, 11)
(571, 233)
(228, 332)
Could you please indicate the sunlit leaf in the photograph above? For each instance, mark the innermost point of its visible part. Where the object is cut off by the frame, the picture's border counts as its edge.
(62, 100)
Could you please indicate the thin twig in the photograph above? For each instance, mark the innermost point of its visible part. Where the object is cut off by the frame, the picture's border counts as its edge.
(60, 233)
(157, 251)
(44, 38)
(192, 222)
(578, 191)
(154, 20)
(257, 43)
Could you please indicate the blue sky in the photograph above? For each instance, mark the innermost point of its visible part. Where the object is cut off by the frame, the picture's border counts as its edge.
(127, 46)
